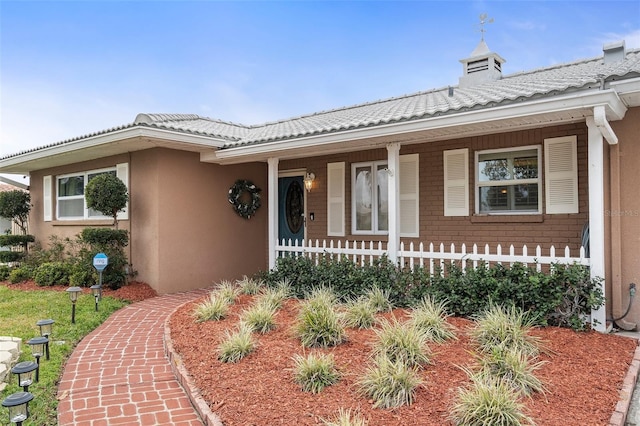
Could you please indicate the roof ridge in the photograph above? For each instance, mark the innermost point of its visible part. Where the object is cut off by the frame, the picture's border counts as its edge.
(157, 118)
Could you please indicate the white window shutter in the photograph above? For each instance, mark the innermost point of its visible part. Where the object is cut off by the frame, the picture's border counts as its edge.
(456, 182)
(335, 199)
(122, 171)
(46, 198)
(561, 175)
(409, 196)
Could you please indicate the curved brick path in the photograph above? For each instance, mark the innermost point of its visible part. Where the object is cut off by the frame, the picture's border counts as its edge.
(119, 374)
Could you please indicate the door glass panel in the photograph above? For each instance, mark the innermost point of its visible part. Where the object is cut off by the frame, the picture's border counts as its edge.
(294, 208)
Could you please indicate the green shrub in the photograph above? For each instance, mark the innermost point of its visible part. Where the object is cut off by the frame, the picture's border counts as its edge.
(488, 402)
(11, 256)
(345, 418)
(430, 317)
(20, 274)
(401, 342)
(504, 328)
(111, 242)
(236, 345)
(11, 240)
(213, 309)
(52, 273)
(4, 272)
(389, 383)
(514, 367)
(578, 295)
(318, 324)
(82, 277)
(315, 372)
(359, 314)
(260, 317)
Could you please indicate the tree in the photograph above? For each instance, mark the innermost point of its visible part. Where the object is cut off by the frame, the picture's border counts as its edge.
(15, 205)
(107, 194)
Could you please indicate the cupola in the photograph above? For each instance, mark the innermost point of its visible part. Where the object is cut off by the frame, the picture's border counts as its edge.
(482, 65)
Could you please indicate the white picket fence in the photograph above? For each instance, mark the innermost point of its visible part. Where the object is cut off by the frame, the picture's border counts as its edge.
(364, 253)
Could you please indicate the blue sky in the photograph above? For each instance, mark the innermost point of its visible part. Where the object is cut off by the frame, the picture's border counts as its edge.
(68, 68)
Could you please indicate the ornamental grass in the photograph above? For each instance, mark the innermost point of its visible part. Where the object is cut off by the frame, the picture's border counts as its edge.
(214, 308)
(379, 299)
(315, 372)
(249, 286)
(401, 342)
(318, 324)
(236, 345)
(508, 328)
(345, 418)
(228, 290)
(488, 402)
(260, 317)
(513, 366)
(359, 313)
(274, 296)
(389, 383)
(431, 317)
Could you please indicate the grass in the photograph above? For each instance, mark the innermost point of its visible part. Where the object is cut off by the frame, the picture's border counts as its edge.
(19, 312)
(249, 285)
(359, 314)
(379, 299)
(260, 317)
(318, 324)
(345, 418)
(214, 308)
(228, 291)
(390, 383)
(315, 372)
(513, 366)
(488, 401)
(401, 342)
(236, 345)
(431, 317)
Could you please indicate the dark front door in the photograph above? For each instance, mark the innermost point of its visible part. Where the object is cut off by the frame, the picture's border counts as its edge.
(291, 209)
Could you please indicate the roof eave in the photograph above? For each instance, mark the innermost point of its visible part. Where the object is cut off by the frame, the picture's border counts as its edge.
(465, 123)
(117, 141)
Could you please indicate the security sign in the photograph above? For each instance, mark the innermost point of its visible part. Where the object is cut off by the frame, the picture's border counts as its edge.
(100, 261)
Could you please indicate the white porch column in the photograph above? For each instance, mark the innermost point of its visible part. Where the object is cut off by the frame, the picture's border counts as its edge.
(272, 180)
(393, 181)
(596, 216)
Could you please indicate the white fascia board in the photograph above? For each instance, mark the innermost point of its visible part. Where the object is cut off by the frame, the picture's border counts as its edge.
(614, 106)
(628, 90)
(110, 137)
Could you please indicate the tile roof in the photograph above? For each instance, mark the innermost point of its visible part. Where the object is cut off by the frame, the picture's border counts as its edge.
(542, 82)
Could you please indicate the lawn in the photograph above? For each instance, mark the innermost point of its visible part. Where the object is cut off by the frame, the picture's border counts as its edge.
(19, 312)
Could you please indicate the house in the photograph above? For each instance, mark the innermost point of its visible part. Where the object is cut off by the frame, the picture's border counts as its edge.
(7, 226)
(494, 161)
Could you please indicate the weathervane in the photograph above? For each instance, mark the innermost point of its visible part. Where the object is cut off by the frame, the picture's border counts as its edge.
(484, 19)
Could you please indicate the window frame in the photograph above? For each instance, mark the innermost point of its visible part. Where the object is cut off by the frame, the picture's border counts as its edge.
(513, 151)
(374, 165)
(86, 211)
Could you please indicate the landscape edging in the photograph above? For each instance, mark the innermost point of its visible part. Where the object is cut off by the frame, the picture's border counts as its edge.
(186, 381)
(619, 416)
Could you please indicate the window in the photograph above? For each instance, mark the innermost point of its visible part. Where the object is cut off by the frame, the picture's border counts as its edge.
(508, 181)
(369, 201)
(70, 195)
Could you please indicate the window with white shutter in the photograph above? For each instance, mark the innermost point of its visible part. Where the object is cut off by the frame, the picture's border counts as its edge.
(456, 182)
(335, 199)
(561, 175)
(409, 196)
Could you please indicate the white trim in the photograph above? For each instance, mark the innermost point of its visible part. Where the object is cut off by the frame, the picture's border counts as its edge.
(561, 175)
(336, 199)
(393, 200)
(272, 184)
(46, 198)
(456, 182)
(374, 165)
(410, 197)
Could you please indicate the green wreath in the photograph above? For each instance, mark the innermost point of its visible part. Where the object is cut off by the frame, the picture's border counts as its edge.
(243, 206)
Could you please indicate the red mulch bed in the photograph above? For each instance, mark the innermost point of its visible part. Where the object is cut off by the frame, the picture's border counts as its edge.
(133, 292)
(583, 374)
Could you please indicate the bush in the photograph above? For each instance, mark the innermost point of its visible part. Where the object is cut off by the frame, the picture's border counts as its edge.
(4, 272)
(107, 194)
(318, 324)
(52, 273)
(401, 342)
(111, 242)
(11, 256)
(488, 402)
(20, 274)
(11, 240)
(315, 372)
(236, 345)
(389, 383)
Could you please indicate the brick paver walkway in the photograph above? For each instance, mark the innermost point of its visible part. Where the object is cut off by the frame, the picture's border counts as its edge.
(119, 374)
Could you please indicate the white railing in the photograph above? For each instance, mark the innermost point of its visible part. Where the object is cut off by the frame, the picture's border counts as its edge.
(364, 253)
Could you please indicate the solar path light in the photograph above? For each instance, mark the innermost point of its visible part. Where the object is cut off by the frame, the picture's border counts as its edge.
(46, 327)
(37, 350)
(18, 404)
(97, 293)
(73, 295)
(24, 370)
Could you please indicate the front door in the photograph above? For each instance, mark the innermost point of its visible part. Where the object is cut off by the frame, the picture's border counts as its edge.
(291, 209)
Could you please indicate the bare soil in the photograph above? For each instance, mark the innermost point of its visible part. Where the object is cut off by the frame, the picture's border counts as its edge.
(583, 374)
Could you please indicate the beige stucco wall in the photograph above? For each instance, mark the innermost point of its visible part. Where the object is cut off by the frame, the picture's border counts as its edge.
(628, 212)
(183, 232)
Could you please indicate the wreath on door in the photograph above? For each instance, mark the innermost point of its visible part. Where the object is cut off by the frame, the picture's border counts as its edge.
(244, 196)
